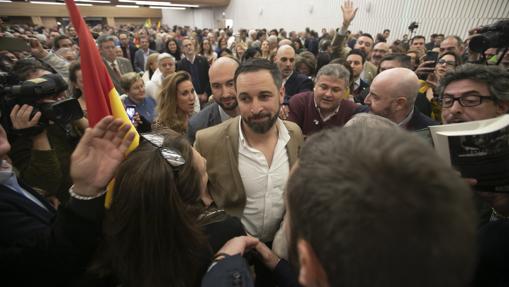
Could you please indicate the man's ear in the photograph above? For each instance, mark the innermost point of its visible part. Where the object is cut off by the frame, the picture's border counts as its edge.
(282, 94)
(401, 103)
(502, 107)
(311, 271)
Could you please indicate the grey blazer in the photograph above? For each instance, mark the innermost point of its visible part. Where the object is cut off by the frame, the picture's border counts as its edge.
(207, 117)
(139, 60)
(124, 67)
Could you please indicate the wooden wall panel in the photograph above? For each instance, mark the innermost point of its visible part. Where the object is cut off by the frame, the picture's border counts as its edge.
(28, 9)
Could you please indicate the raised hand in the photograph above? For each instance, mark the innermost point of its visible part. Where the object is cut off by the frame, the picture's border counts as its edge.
(98, 154)
(348, 12)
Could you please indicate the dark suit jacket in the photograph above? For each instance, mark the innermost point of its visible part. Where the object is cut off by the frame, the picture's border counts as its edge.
(207, 117)
(139, 60)
(295, 84)
(361, 92)
(201, 78)
(43, 247)
(129, 52)
(220, 146)
(124, 66)
(420, 121)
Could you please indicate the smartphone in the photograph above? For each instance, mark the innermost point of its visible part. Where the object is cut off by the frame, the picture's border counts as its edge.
(130, 110)
(14, 44)
(431, 56)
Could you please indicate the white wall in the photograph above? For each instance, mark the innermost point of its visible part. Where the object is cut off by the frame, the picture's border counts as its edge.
(445, 16)
(190, 17)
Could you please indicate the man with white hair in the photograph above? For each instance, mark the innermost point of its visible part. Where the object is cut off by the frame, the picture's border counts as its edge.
(165, 67)
(392, 95)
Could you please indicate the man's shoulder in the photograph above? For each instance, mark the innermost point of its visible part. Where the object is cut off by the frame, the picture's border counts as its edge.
(205, 114)
(122, 60)
(302, 98)
(217, 131)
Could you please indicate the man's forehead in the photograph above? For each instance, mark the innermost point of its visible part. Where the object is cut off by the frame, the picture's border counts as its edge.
(364, 39)
(466, 86)
(330, 81)
(256, 80)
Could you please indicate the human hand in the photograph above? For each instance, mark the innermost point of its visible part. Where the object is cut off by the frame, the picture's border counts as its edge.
(37, 49)
(20, 117)
(283, 112)
(98, 154)
(425, 68)
(239, 245)
(267, 256)
(348, 12)
(137, 120)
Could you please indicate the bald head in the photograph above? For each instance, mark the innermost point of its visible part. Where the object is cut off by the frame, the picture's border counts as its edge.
(221, 75)
(285, 60)
(393, 93)
(401, 82)
(285, 42)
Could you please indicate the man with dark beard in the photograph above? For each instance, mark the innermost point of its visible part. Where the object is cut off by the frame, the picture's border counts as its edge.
(249, 157)
(225, 106)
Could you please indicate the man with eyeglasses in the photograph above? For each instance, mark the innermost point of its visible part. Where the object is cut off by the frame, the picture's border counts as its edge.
(470, 93)
(474, 92)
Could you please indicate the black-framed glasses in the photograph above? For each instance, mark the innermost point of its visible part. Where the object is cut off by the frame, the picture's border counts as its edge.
(172, 156)
(448, 63)
(465, 101)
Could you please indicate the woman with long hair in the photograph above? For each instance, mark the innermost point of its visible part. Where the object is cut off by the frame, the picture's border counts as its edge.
(446, 62)
(265, 47)
(175, 102)
(207, 51)
(159, 231)
(172, 47)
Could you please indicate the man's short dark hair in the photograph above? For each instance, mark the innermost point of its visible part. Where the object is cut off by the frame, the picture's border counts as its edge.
(386, 30)
(358, 52)
(417, 37)
(389, 207)
(367, 35)
(56, 41)
(255, 65)
(495, 77)
(24, 67)
(404, 60)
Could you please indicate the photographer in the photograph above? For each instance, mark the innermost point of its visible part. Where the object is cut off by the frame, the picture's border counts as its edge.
(40, 245)
(42, 147)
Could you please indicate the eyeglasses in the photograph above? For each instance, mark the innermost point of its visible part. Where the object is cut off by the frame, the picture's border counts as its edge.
(465, 101)
(448, 63)
(172, 156)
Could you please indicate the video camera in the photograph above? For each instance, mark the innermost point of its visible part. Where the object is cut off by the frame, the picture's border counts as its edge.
(414, 25)
(492, 36)
(37, 93)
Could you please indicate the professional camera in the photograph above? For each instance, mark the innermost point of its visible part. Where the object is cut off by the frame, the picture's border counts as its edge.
(414, 25)
(37, 93)
(492, 36)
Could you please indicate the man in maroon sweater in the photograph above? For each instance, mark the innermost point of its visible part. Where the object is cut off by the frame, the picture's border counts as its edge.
(326, 106)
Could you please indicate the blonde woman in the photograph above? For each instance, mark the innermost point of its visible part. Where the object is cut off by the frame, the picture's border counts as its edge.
(150, 67)
(176, 103)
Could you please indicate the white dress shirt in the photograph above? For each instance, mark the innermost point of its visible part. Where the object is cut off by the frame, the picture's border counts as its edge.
(264, 185)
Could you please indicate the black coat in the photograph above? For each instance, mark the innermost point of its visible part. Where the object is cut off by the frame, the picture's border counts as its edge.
(295, 84)
(201, 77)
(41, 247)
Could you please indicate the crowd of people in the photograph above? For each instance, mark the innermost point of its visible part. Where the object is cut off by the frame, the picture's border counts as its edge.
(266, 158)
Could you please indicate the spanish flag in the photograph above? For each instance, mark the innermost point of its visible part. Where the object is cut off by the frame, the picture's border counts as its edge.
(100, 95)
